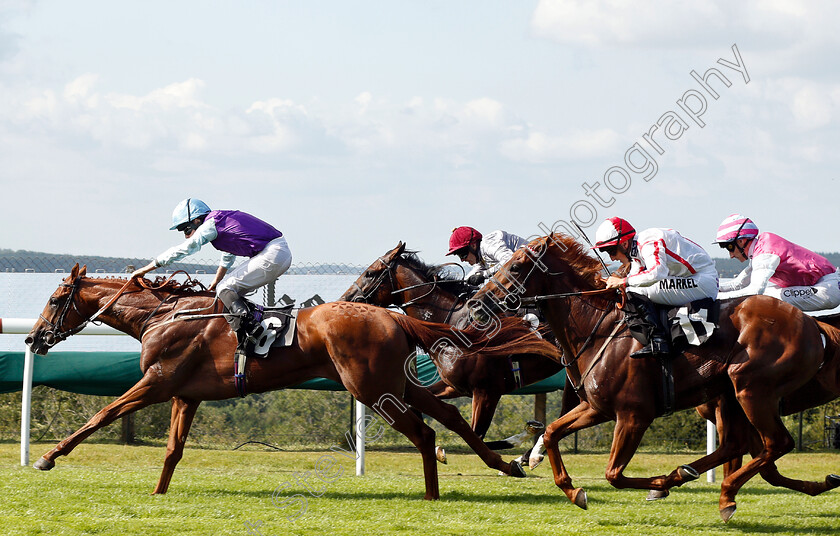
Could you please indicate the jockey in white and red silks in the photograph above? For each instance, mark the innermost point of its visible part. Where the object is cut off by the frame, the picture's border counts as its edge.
(665, 269)
(777, 267)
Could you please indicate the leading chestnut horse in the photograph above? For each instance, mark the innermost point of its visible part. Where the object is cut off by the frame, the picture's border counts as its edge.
(400, 279)
(764, 350)
(189, 358)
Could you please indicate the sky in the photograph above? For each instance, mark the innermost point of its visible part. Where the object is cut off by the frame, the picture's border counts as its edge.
(351, 126)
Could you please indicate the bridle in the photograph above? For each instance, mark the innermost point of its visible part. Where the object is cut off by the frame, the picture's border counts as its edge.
(389, 273)
(55, 335)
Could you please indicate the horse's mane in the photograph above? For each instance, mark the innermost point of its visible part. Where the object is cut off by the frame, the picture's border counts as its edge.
(452, 281)
(578, 258)
(189, 287)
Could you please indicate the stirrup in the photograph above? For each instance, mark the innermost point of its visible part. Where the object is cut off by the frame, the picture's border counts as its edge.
(656, 348)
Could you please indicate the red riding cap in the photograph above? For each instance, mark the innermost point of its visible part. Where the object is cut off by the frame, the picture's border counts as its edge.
(612, 232)
(461, 238)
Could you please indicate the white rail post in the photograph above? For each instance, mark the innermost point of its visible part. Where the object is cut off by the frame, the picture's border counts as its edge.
(711, 445)
(26, 406)
(360, 438)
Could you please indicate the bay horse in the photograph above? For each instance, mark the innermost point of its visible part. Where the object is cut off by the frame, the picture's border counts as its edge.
(400, 279)
(189, 359)
(763, 352)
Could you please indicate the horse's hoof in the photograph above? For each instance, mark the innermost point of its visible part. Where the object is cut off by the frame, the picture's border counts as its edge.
(580, 499)
(43, 464)
(833, 481)
(535, 462)
(440, 454)
(534, 427)
(727, 513)
(687, 473)
(516, 470)
(656, 494)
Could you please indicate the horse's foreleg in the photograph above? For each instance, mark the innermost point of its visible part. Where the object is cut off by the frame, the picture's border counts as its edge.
(144, 393)
(450, 417)
(183, 411)
(580, 417)
(423, 437)
(629, 429)
(444, 391)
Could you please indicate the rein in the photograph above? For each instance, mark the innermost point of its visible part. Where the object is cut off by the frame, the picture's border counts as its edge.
(55, 332)
(534, 300)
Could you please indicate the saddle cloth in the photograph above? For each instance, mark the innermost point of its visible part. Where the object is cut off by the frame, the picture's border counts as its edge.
(694, 323)
(279, 328)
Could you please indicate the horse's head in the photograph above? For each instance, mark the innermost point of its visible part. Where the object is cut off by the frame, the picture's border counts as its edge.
(376, 284)
(548, 265)
(61, 317)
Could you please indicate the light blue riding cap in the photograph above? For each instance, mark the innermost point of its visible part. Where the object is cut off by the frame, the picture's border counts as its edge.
(188, 210)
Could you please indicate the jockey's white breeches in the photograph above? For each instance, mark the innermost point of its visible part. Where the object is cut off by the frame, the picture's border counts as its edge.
(824, 294)
(259, 270)
(678, 291)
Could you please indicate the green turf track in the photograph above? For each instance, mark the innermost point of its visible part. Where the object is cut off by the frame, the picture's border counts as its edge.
(105, 489)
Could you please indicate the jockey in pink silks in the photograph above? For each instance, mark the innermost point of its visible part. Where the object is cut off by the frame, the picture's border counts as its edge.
(777, 267)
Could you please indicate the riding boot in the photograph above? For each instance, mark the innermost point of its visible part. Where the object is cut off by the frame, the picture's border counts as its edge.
(648, 326)
(241, 321)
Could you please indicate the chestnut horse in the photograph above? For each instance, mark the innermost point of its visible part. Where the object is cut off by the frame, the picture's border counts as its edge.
(762, 351)
(400, 279)
(189, 358)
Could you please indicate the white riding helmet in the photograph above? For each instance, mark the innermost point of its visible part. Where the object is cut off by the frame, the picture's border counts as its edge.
(188, 210)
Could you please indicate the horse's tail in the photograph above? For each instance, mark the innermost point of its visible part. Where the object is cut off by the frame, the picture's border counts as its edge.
(510, 335)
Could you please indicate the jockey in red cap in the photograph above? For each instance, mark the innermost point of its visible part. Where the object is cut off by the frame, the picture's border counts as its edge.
(664, 268)
(486, 254)
(777, 267)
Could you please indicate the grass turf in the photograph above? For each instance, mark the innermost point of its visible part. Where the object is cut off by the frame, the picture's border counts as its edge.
(105, 489)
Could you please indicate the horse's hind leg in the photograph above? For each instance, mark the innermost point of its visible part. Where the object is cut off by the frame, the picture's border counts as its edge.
(450, 417)
(183, 411)
(775, 443)
(144, 393)
(483, 408)
(733, 428)
(771, 474)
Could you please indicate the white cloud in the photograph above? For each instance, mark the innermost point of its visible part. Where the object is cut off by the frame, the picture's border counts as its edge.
(791, 26)
(538, 147)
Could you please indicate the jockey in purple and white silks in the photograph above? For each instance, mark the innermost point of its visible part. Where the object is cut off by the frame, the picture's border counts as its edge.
(234, 233)
(486, 253)
(777, 267)
(665, 269)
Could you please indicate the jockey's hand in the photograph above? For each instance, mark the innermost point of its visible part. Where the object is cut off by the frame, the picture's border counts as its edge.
(615, 282)
(141, 272)
(476, 279)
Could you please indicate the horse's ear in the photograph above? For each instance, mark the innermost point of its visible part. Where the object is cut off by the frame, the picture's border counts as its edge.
(397, 251)
(83, 271)
(74, 272)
